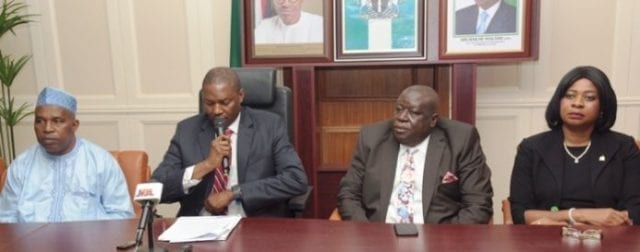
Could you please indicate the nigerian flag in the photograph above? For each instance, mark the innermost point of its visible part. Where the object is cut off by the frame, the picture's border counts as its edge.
(370, 29)
(235, 59)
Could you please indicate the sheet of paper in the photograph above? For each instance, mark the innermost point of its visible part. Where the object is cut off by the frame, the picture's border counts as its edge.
(200, 228)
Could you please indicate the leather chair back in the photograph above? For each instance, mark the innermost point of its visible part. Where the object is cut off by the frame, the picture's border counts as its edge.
(135, 166)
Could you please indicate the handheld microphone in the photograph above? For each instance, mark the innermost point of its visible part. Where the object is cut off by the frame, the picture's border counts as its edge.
(147, 194)
(218, 123)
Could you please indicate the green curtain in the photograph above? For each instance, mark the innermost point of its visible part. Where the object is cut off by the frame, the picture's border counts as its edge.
(235, 58)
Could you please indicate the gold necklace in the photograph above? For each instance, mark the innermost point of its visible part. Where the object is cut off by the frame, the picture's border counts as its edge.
(576, 159)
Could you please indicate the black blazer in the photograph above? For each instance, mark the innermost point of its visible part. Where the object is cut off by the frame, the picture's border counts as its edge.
(269, 170)
(538, 168)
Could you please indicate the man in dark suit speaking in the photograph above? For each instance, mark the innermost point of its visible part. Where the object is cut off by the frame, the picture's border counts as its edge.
(417, 168)
(486, 17)
(263, 170)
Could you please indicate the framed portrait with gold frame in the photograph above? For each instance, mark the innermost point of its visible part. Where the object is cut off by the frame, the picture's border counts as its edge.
(287, 31)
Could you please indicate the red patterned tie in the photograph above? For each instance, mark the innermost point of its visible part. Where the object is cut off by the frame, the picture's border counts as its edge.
(220, 179)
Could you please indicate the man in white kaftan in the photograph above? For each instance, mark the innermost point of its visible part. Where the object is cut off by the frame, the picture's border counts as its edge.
(64, 177)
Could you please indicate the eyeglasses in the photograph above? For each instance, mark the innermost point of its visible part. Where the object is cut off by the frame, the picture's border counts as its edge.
(290, 1)
(588, 234)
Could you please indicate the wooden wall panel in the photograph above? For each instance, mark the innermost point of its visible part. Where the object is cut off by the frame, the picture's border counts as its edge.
(350, 112)
(370, 82)
(301, 82)
(327, 190)
(442, 83)
(340, 123)
(337, 147)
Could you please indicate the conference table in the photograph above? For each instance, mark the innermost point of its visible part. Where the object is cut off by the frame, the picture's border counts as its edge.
(272, 234)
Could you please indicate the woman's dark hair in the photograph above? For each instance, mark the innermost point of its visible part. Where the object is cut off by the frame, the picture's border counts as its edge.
(607, 97)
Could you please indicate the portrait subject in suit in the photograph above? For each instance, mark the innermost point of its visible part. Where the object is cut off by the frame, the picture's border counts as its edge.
(263, 173)
(417, 168)
(486, 17)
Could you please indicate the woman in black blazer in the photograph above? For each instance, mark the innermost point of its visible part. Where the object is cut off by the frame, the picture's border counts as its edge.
(579, 172)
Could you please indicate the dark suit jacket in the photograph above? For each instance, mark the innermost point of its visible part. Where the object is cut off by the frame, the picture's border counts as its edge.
(454, 146)
(504, 20)
(536, 180)
(269, 170)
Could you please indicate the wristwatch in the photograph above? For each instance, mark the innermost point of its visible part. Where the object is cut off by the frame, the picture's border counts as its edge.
(237, 192)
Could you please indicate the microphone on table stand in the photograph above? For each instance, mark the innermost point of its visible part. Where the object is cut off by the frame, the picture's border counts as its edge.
(148, 195)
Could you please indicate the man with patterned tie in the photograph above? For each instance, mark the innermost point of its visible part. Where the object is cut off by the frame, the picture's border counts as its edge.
(486, 17)
(264, 169)
(417, 168)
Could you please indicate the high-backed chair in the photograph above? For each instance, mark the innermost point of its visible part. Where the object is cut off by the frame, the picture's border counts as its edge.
(261, 92)
(135, 166)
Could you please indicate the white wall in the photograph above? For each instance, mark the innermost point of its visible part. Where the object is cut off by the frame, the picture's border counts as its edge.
(136, 67)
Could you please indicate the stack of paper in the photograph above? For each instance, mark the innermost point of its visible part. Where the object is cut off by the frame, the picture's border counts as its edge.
(200, 228)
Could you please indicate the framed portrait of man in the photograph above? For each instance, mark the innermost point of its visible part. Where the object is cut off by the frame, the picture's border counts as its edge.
(477, 29)
(277, 31)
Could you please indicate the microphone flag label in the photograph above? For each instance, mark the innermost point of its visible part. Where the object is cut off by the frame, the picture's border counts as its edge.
(145, 192)
(148, 192)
